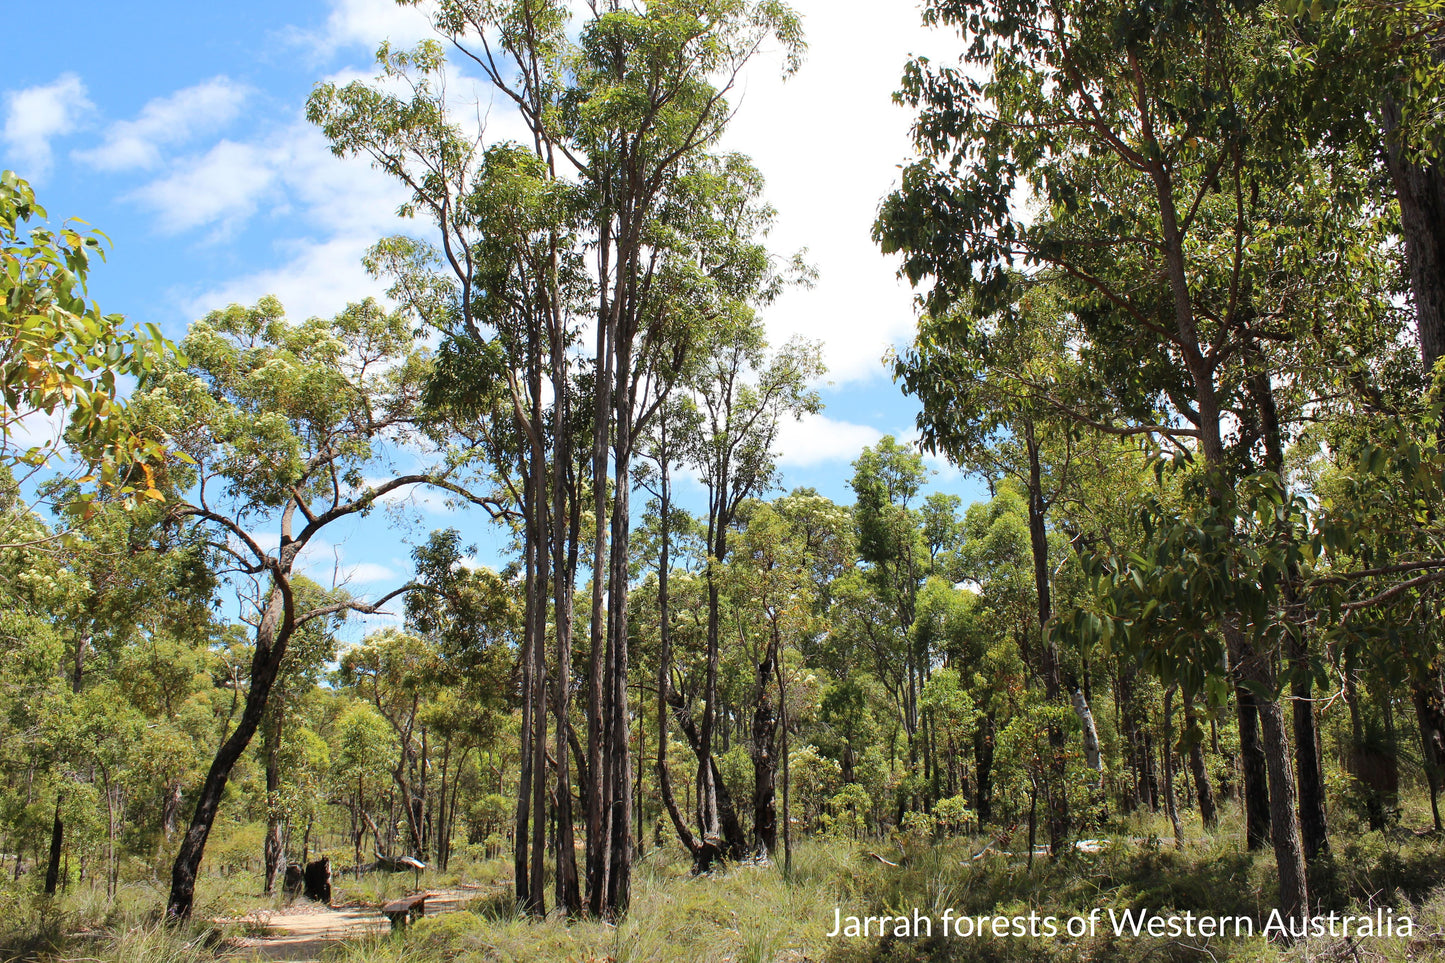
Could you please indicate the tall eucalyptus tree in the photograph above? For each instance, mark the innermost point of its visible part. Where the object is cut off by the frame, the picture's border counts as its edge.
(620, 113)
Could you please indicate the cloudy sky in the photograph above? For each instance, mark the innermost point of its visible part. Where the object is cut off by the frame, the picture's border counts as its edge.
(177, 129)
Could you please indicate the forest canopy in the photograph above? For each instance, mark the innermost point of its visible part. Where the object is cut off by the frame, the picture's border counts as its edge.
(1179, 281)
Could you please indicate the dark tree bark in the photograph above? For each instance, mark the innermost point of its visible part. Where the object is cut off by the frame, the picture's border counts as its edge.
(765, 760)
(1420, 192)
(1204, 791)
(664, 632)
(597, 848)
(521, 838)
(273, 631)
(57, 844)
(708, 850)
(787, 786)
(1314, 828)
(1254, 779)
(983, 744)
(566, 510)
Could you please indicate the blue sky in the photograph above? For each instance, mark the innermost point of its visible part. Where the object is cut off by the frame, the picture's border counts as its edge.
(177, 129)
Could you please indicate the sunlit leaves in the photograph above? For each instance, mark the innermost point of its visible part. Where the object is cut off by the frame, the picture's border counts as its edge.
(60, 356)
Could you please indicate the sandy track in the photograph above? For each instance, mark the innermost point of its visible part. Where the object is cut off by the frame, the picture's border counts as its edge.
(303, 931)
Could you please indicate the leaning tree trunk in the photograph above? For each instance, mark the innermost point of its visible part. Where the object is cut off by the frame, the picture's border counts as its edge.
(272, 634)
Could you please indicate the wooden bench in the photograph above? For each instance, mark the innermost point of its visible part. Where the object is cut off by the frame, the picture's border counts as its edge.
(405, 910)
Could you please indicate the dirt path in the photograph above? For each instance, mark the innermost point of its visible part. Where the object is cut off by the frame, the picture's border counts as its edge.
(301, 932)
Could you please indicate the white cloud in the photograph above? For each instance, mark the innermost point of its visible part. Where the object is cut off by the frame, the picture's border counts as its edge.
(37, 115)
(34, 429)
(316, 279)
(830, 141)
(366, 23)
(332, 208)
(365, 573)
(164, 121)
(221, 187)
(817, 439)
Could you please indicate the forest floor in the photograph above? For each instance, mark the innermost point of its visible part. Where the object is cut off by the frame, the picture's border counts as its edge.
(751, 913)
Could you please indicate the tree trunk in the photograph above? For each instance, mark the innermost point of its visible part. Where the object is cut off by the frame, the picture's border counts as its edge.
(57, 828)
(1314, 829)
(1420, 192)
(1254, 777)
(1171, 802)
(1429, 702)
(274, 855)
(765, 760)
(57, 844)
(597, 843)
(708, 850)
(1057, 788)
(983, 743)
(618, 874)
(565, 511)
(1092, 757)
(664, 658)
(1284, 830)
(272, 634)
(783, 726)
(1208, 814)
(521, 838)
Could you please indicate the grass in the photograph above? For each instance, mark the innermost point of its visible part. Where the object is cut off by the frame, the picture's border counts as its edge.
(750, 914)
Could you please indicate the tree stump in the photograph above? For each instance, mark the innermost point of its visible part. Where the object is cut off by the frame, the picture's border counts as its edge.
(318, 880)
(291, 885)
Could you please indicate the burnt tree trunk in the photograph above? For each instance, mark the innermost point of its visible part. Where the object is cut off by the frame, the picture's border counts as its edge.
(272, 633)
(765, 761)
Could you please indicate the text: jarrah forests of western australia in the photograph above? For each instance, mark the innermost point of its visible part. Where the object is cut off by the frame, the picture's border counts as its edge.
(1130, 922)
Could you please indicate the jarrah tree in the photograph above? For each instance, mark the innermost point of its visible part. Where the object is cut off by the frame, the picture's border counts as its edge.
(620, 116)
(742, 397)
(1139, 135)
(1003, 406)
(280, 422)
